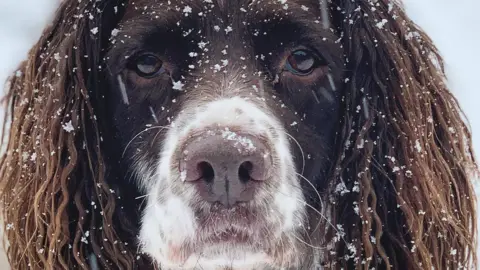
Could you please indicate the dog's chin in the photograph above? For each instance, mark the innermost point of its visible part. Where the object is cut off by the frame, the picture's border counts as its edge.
(226, 252)
(223, 256)
(235, 242)
(235, 238)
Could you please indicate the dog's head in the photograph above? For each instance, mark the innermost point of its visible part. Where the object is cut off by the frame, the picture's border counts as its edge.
(227, 114)
(236, 134)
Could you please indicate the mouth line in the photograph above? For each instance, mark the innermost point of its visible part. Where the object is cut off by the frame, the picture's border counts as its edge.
(230, 235)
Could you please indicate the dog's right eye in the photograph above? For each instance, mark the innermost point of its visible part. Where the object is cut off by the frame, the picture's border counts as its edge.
(147, 65)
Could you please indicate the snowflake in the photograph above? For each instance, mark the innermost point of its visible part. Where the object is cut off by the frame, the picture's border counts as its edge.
(418, 147)
(187, 10)
(217, 67)
(341, 188)
(178, 85)
(94, 30)
(202, 44)
(381, 23)
(84, 240)
(361, 144)
(68, 127)
(115, 32)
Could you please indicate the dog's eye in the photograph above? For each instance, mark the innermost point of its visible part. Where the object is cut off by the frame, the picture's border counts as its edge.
(147, 65)
(302, 62)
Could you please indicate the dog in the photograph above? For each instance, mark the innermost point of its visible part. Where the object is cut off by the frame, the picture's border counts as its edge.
(214, 134)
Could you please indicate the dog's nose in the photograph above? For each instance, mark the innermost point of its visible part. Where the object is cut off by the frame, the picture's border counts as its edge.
(226, 167)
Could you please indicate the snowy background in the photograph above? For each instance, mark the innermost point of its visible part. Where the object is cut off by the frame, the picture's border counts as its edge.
(454, 27)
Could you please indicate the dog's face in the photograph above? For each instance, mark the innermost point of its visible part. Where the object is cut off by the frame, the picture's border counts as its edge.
(221, 134)
(226, 111)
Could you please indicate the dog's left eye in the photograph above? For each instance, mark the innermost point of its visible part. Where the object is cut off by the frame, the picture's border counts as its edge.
(147, 65)
(302, 62)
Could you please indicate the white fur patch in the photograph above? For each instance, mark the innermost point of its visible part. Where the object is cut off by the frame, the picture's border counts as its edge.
(169, 222)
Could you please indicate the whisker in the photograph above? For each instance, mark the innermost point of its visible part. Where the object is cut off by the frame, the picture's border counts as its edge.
(143, 196)
(318, 195)
(138, 134)
(158, 132)
(319, 213)
(282, 246)
(307, 244)
(301, 150)
(325, 218)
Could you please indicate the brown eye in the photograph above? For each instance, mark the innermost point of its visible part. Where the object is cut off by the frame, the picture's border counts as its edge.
(302, 62)
(147, 65)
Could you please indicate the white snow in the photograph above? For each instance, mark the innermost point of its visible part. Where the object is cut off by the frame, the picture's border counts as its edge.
(94, 30)
(177, 85)
(68, 127)
(453, 25)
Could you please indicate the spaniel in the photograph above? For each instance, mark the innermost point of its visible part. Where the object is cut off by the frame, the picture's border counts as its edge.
(215, 134)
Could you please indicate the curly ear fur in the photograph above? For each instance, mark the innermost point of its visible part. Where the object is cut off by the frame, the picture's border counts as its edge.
(54, 193)
(407, 156)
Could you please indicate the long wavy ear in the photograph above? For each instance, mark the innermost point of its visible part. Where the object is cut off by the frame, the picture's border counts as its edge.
(407, 157)
(57, 205)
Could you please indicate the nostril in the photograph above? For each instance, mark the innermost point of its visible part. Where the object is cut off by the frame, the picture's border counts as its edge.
(245, 171)
(206, 171)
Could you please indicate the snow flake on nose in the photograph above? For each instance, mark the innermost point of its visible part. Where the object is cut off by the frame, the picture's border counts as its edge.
(242, 143)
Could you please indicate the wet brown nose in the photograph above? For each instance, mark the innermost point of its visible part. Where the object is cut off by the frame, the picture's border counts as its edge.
(226, 167)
